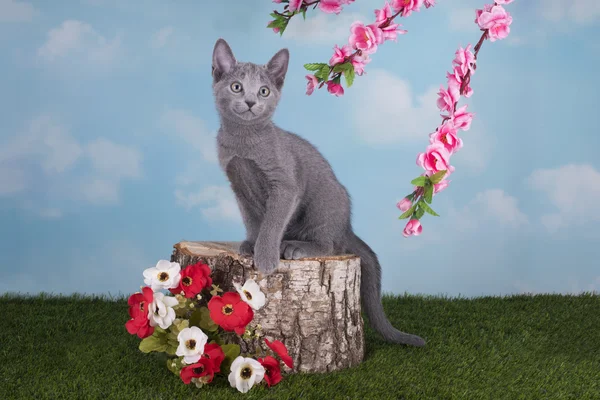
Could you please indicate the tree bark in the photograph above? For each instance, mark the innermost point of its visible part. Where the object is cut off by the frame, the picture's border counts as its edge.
(312, 304)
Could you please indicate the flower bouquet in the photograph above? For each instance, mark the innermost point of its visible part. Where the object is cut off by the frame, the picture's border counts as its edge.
(196, 326)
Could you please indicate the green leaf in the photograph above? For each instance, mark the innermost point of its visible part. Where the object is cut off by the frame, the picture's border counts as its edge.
(323, 73)
(428, 193)
(176, 369)
(428, 209)
(419, 213)
(232, 351)
(349, 75)
(408, 212)
(304, 13)
(420, 181)
(201, 318)
(151, 343)
(274, 15)
(437, 177)
(314, 66)
(342, 67)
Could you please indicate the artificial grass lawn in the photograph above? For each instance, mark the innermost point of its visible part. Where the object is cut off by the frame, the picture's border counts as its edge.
(520, 347)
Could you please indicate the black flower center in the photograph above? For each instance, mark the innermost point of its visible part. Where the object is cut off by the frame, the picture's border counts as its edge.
(142, 303)
(163, 276)
(248, 295)
(190, 344)
(187, 281)
(227, 309)
(246, 373)
(198, 370)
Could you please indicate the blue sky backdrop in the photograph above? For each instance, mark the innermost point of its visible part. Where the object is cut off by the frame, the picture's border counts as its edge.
(107, 141)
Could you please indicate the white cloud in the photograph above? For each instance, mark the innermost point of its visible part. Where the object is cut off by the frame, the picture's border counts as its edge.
(492, 207)
(462, 20)
(322, 28)
(111, 159)
(193, 131)
(574, 190)
(78, 39)
(16, 11)
(47, 142)
(388, 98)
(45, 157)
(161, 37)
(216, 202)
(579, 11)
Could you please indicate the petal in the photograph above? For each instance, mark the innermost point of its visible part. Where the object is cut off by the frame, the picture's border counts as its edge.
(163, 265)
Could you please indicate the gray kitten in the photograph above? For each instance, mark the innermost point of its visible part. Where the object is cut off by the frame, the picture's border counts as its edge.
(292, 204)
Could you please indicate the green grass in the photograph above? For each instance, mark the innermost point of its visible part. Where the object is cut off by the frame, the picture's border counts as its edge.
(521, 347)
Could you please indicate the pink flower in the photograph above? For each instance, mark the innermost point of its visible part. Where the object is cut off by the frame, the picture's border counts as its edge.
(413, 227)
(340, 54)
(463, 60)
(377, 32)
(440, 186)
(455, 80)
(435, 158)
(277, 1)
(447, 98)
(330, 6)
(407, 6)
(486, 8)
(382, 15)
(431, 3)
(504, 1)
(311, 84)
(391, 32)
(359, 62)
(446, 134)
(497, 22)
(335, 88)
(295, 5)
(363, 37)
(462, 119)
(404, 204)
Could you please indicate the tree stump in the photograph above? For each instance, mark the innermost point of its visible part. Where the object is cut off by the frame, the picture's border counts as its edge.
(312, 304)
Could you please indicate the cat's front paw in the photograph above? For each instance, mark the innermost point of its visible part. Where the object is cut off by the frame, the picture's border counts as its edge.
(246, 248)
(265, 259)
(292, 250)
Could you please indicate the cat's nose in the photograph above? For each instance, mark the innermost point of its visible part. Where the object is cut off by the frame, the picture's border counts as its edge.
(250, 103)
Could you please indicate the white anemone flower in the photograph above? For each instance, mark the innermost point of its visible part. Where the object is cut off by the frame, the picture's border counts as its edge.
(251, 294)
(161, 311)
(164, 276)
(191, 344)
(245, 372)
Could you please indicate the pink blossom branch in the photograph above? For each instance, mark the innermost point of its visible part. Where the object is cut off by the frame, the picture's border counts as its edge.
(495, 23)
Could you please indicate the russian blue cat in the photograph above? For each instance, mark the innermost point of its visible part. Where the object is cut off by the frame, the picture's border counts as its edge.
(291, 202)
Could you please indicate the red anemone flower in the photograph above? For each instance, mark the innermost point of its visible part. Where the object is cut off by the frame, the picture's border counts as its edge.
(280, 349)
(230, 312)
(194, 278)
(197, 370)
(272, 370)
(215, 354)
(139, 304)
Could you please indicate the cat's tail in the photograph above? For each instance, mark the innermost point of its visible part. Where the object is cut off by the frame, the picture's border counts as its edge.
(370, 291)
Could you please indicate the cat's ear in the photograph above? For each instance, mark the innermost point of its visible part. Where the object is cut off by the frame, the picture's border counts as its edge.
(277, 67)
(223, 60)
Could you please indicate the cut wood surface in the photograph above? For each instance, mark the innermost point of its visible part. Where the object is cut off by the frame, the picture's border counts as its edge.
(312, 304)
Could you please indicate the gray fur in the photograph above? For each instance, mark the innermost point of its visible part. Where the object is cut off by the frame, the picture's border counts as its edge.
(291, 202)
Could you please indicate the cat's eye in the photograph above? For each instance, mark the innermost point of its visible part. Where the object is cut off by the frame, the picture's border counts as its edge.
(264, 91)
(236, 87)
